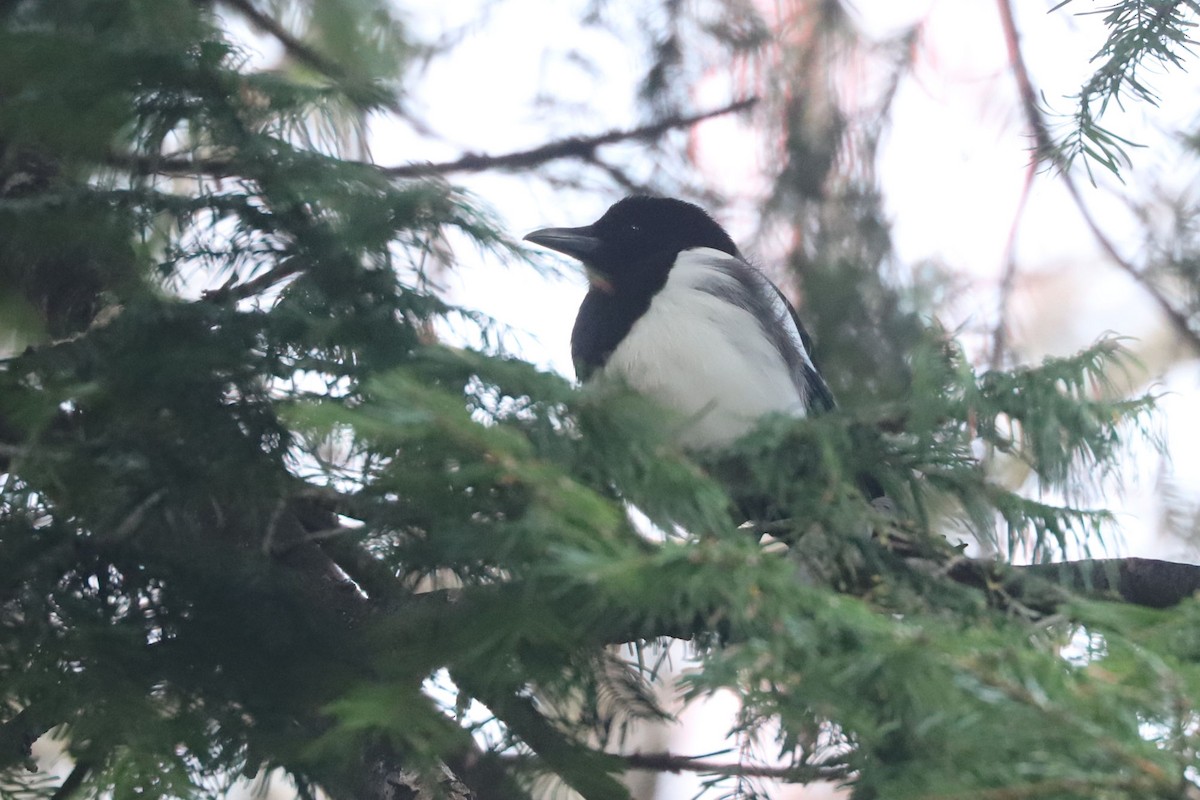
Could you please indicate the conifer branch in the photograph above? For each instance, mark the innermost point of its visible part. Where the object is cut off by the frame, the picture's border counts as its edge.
(1044, 149)
(1141, 34)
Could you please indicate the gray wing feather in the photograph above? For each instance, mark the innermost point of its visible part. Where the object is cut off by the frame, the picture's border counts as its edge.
(753, 291)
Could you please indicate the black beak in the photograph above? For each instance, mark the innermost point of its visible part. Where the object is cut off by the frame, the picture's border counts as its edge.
(581, 243)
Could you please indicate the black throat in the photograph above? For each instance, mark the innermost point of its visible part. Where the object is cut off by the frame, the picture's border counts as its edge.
(606, 317)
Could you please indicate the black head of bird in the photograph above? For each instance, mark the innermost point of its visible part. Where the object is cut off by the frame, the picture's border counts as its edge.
(676, 313)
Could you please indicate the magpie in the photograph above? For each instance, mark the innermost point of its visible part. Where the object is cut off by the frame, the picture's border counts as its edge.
(676, 312)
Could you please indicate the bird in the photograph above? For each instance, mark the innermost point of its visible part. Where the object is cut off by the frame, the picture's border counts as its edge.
(677, 313)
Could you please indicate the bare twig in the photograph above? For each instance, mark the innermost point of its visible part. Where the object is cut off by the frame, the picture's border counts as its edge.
(178, 166)
(12, 450)
(277, 549)
(242, 291)
(1045, 150)
(134, 520)
(618, 175)
(268, 543)
(301, 52)
(581, 147)
(572, 147)
(670, 762)
(328, 533)
(1009, 277)
(1175, 317)
(797, 773)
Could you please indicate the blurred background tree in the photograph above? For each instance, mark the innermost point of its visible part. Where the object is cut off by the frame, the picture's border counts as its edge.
(289, 493)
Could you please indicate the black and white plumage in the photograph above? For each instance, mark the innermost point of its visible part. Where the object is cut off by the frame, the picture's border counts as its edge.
(678, 314)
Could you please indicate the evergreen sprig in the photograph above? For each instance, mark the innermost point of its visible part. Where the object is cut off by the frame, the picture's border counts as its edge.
(1142, 34)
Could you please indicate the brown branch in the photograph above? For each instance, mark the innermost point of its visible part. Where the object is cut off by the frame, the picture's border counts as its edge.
(618, 175)
(176, 166)
(294, 47)
(1141, 581)
(581, 147)
(1045, 150)
(243, 291)
(1009, 277)
(797, 773)
(676, 764)
(303, 53)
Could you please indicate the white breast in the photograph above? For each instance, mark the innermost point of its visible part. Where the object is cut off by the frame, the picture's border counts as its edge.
(703, 357)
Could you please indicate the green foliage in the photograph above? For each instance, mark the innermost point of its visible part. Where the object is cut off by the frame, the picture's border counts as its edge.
(1143, 34)
(249, 507)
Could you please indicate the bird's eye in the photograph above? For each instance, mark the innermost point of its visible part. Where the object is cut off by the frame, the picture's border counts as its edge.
(634, 228)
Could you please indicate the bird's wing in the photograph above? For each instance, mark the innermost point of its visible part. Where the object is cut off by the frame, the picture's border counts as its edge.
(743, 285)
(820, 397)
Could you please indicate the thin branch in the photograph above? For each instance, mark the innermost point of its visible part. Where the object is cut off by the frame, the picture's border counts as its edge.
(135, 518)
(294, 47)
(798, 773)
(176, 166)
(1033, 115)
(581, 147)
(618, 175)
(9, 453)
(1177, 319)
(273, 548)
(268, 543)
(12, 450)
(301, 52)
(243, 291)
(1009, 277)
(1045, 150)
